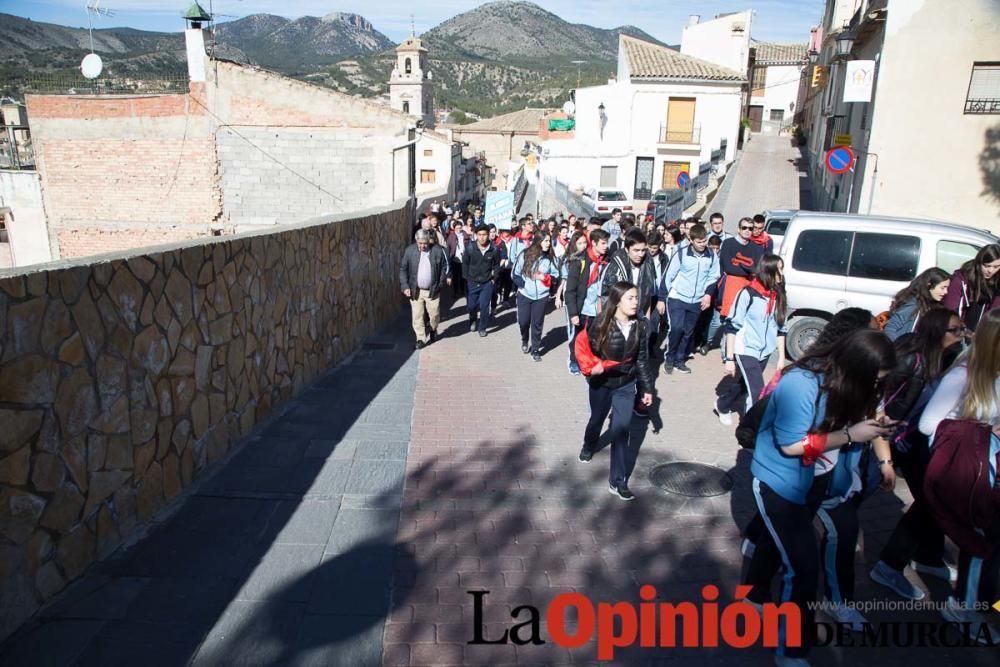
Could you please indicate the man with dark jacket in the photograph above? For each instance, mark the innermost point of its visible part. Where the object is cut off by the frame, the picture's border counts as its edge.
(422, 274)
(480, 269)
(631, 266)
(584, 275)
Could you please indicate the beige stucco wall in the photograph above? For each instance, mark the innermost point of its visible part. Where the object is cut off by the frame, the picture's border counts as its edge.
(928, 150)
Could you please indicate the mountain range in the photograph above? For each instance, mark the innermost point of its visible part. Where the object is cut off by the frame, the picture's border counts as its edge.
(499, 57)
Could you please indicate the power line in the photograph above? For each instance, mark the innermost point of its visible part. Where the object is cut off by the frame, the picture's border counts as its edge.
(278, 162)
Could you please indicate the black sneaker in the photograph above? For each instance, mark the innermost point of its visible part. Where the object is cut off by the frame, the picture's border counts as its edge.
(703, 350)
(472, 325)
(682, 368)
(536, 357)
(420, 345)
(621, 491)
(482, 334)
(668, 367)
(525, 348)
(433, 337)
(586, 455)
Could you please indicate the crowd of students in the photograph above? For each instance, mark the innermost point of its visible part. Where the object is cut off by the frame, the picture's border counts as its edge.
(915, 389)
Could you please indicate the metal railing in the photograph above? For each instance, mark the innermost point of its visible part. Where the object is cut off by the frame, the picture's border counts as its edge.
(17, 156)
(574, 203)
(700, 182)
(118, 84)
(667, 136)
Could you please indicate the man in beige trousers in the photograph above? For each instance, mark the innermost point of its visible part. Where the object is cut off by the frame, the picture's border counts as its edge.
(422, 274)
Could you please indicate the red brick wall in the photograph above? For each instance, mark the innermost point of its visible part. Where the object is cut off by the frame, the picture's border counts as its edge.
(123, 172)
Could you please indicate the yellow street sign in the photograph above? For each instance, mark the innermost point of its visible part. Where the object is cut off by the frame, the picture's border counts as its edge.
(841, 140)
(996, 605)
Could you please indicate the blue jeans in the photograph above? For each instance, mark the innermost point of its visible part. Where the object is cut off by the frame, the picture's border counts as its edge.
(620, 403)
(480, 301)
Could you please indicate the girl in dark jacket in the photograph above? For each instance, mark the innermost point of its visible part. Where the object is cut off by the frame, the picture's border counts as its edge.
(917, 541)
(613, 353)
(975, 286)
(923, 293)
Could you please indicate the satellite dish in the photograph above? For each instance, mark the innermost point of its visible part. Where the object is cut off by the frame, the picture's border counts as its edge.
(569, 108)
(91, 66)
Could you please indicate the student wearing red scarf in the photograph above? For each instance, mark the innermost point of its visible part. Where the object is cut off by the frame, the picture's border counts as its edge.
(754, 330)
(759, 236)
(584, 275)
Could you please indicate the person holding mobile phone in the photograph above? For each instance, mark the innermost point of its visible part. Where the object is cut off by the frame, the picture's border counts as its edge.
(824, 403)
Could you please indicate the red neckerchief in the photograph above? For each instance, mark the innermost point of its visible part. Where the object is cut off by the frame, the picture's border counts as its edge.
(598, 261)
(525, 236)
(502, 237)
(761, 240)
(771, 295)
(563, 242)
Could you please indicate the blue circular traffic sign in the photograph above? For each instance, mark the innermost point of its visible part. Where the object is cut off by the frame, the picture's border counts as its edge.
(839, 159)
(683, 178)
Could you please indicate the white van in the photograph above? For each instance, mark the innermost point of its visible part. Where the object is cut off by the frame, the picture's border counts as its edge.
(839, 260)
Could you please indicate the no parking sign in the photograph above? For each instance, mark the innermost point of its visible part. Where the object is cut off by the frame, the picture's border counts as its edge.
(839, 159)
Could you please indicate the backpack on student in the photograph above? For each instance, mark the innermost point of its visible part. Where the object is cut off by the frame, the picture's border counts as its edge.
(746, 432)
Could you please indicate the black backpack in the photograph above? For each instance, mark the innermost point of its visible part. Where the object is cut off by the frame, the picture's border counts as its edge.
(746, 432)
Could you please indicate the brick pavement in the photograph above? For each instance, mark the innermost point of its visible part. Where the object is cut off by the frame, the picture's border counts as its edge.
(766, 175)
(496, 500)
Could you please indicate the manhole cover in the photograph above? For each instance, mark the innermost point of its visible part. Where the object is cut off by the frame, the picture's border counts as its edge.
(379, 346)
(686, 478)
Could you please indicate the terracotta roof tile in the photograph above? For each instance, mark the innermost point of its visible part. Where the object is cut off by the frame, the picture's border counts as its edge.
(651, 61)
(525, 120)
(780, 54)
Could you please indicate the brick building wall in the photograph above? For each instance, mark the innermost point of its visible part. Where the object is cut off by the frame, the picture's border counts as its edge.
(124, 171)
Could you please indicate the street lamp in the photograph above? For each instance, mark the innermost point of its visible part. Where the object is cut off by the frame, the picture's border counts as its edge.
(813, 56)
(845, 43)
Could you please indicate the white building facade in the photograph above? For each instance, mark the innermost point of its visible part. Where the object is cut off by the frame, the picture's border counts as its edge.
(664, 114)
(927, 100)
(775, 78)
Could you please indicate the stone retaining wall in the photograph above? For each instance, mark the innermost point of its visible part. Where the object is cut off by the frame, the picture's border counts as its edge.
(123, 378)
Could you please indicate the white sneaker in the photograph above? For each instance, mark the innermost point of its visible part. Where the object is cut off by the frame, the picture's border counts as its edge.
(846, 615)
(725, 418)
(944, 572)
(785, 661)
(955, 612)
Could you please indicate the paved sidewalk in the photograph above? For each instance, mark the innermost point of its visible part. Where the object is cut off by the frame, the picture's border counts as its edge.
(496, 500)
(283, 557)
(770, 174)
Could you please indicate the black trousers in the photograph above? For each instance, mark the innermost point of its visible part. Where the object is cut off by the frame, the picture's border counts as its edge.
(504, 286)
(916, 536)
(531, 314)
(619, 402)
(791, 542)
(478, 302)
(978, 579)
(840, 540)
(741, 395)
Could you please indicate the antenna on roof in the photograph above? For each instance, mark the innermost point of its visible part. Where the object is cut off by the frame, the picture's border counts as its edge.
(91, 66)
(413, 27)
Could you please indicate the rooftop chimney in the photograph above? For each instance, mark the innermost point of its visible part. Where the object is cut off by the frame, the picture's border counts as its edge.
(693, 19)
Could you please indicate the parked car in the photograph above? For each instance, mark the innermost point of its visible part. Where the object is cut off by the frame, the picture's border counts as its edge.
(838, 260)
(659, 197)
(605, 201)
(776, 222)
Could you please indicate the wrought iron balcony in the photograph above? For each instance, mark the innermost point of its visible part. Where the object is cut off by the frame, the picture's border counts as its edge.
(667, 136)
(985, 106)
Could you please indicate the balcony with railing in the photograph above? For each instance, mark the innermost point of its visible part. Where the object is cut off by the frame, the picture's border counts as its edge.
(691, 137)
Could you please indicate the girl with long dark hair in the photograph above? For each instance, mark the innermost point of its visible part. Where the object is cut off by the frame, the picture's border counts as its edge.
(613, 353)
(536, 269)
(577, 246)
(824, 402)
(917, 540)
(754, 330)
(975, 286)
(924, 292)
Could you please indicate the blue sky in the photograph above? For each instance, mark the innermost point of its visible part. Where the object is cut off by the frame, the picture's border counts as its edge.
(775, 20)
